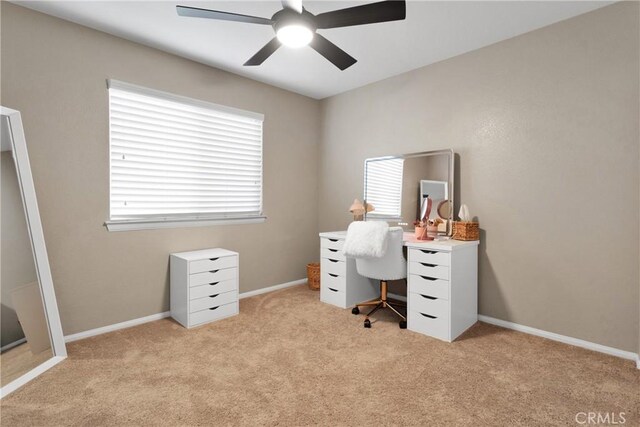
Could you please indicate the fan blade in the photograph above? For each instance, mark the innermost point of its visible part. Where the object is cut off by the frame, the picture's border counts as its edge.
(293, 5)
(333, 53)
(264, 53)
(383, 11)
(196, 12)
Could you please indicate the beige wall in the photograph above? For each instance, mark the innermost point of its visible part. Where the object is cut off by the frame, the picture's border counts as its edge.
(54, 72)
(16, 267)
(546, 127)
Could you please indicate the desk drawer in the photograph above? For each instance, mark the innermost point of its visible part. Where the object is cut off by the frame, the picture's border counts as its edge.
(212, 314)
(429, 270)
(429, 286)
(333, 267)
(212, 264)
(333, 296)
(332, 243)
(430, 257)
(437, 327)
(332, 254)
(214, 300)
(212, 276)
(212, 289)
(334, 281)
(428, 305)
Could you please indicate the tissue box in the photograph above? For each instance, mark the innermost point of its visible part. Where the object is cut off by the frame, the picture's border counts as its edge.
(463, 230)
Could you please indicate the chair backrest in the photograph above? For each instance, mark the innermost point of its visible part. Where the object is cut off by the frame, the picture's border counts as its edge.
(391, 266)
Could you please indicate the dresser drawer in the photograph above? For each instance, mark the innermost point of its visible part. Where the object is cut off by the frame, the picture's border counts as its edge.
(333, 267)
(333, 296)
(333, 281)
(428, 305)
(212, 276)
(213, 288)
(429, 286)
(215, 300)
(332, 254)
(215, 314)
(332, 243)
(430, 257)
(437, 327)
(211, 264)
(429, 270)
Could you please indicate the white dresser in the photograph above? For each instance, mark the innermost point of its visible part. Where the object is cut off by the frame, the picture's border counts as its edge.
(336, 271)
(442, 283)
(204, 286)
(442, 294)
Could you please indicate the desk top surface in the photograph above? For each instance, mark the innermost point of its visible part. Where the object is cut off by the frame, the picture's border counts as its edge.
(409, 240)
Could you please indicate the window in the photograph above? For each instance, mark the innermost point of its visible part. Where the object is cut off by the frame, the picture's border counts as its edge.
(384, 187)
(180, 161)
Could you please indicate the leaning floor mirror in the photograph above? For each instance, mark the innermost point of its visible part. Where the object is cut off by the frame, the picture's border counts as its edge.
(30, 330)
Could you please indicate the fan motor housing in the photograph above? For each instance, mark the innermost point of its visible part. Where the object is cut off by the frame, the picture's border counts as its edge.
(287, 17)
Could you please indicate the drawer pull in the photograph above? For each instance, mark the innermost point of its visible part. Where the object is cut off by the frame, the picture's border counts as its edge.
(333, 275)
(333, 240)
(213, 283)
(428, 265)
(334, 290)
(426, 251)
(213, 271)
(332, 250)
(213, 308)
(214, 259)
(428, 297)
(332, 260)
(428, 278)
(213, 296)
(429, 316)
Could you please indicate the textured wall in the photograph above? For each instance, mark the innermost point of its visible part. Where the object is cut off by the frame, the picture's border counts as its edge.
(54, 72)
(546, 128)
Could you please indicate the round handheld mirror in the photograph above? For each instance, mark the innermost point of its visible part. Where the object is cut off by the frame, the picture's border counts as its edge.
(444, 209)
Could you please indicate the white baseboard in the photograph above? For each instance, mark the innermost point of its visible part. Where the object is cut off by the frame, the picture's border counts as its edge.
(563, 339)
(22, 380)
(153, 317)
(12, 344)
(115, 327)
(271, 288)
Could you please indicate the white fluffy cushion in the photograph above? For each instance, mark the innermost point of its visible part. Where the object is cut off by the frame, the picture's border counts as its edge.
(366, 239)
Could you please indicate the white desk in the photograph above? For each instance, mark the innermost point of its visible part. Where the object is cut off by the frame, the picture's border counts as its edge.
(442, 280)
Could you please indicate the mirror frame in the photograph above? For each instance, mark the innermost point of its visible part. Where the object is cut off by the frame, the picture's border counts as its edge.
(39, 249)
(451, 177)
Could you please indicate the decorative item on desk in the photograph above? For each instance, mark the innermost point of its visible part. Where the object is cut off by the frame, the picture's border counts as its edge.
(424, 226)
(358, 209)
(313, 276)
(465, 229)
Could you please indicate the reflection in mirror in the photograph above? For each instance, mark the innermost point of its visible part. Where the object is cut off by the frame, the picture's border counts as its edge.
(25, 341)
(397, 185)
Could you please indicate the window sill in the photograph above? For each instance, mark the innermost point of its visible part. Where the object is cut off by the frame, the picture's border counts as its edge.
(153, 224)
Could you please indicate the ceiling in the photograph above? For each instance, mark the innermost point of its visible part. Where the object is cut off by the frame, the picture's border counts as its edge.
(432, 32)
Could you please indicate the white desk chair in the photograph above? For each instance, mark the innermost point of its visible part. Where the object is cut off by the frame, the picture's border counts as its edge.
(390, 266)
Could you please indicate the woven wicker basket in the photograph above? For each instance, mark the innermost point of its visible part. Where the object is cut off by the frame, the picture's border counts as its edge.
(466, 230)
(313, 276)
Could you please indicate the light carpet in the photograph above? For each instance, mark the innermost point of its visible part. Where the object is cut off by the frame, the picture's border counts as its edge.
(290, 360)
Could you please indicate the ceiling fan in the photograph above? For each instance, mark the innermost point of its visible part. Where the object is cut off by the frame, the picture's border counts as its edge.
(296, 27)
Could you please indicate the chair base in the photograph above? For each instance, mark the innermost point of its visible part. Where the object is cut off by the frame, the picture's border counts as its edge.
(382, 303)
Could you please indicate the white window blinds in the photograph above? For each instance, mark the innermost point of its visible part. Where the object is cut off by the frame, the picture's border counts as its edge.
(176, 157)
(384, 187)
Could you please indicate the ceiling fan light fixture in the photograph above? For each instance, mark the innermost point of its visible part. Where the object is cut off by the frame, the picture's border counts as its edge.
(294, 35)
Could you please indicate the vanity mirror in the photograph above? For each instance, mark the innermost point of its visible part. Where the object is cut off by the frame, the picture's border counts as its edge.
(32, 339)
(397, 185)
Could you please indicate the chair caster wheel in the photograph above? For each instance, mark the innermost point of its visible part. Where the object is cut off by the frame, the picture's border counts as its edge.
(367, 323)
(355, 310)
(403, 324)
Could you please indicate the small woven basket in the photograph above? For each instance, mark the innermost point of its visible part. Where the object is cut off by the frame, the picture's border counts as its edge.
(463, 230)
(313, 276)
